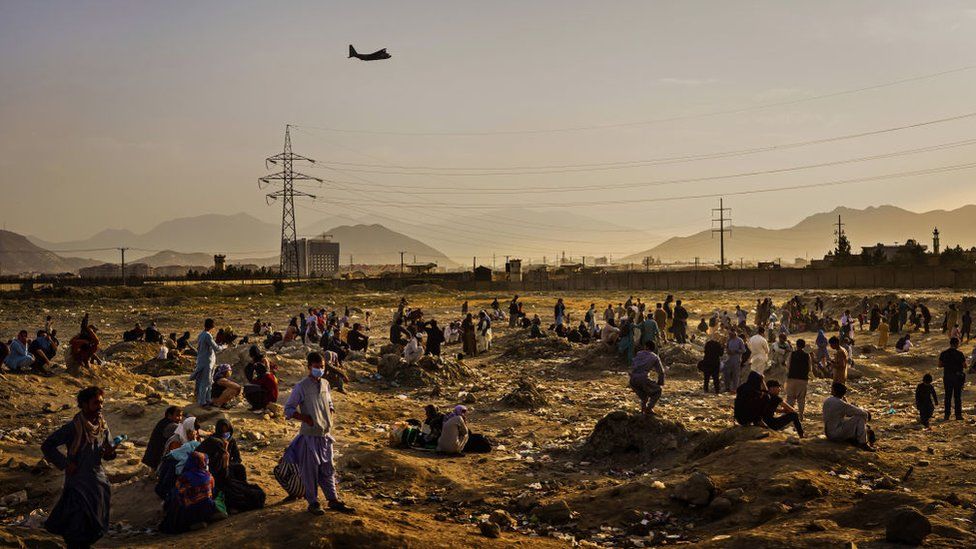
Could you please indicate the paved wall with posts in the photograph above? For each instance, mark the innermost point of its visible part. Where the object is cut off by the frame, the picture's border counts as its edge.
(919, 277)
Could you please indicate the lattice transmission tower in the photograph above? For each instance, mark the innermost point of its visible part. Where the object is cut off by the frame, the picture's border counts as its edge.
(289, 234)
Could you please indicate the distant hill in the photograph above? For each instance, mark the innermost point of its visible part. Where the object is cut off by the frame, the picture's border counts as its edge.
(20, 255)
(377, 245)
(245, 239)
(169, 257)
(813, 236)
(212, 233)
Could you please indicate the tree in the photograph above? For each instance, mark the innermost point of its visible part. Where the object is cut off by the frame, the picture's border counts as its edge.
(843, 247)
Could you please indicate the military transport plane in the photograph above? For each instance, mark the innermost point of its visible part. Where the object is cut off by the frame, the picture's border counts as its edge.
(375, 56)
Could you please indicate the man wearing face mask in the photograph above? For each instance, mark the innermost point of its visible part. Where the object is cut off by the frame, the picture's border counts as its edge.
(311, 403)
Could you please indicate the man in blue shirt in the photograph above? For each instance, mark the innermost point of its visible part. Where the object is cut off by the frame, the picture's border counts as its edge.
(20, 360)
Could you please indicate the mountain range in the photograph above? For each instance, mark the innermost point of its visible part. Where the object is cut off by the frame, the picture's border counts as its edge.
(242, 237)
(19, 255)
(814, 236)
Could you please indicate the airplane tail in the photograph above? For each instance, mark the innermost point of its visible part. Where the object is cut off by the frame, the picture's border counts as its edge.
(352, 51)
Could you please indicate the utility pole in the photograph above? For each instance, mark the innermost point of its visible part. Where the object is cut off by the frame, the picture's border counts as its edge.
(696, 263)
(724, 216)
(401, 263)
(839, 231)
(493, 261)
(350, 261)
(289, 235)
(122, 251)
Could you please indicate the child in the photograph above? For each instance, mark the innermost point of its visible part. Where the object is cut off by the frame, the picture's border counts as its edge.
(925, 400)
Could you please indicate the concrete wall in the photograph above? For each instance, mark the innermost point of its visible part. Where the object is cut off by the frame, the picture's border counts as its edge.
(920, 277)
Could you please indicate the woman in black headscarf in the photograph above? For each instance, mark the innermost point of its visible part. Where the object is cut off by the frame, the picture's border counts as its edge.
(750, 400)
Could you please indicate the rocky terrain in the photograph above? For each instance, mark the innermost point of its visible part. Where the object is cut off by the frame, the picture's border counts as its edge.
(573, 464)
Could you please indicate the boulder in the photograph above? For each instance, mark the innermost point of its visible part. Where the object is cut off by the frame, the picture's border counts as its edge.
(719, 507)
(134, 410)
(490, 529)
(526, 395)
(557, 512)
(16, 498)
(619, 433)
(698, 489)
(503, 519)
(908, 526)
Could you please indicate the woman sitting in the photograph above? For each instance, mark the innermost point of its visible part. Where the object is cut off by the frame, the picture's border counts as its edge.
(751, 400)
(192, 506)
(185, 432)
(224, 389)
(454, 433)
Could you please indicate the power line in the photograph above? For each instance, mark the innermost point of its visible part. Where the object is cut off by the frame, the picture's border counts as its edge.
(421, 190)
(927, 171)
(669, 159)
(737, 110)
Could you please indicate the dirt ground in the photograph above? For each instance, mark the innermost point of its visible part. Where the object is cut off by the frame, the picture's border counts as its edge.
(781, 491)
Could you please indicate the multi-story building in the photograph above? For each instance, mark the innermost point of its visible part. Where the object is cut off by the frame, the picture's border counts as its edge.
(318, 256)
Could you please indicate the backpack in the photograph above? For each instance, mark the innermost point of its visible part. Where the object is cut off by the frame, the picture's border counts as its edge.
(287, 475)
(243, 496)
(478, 444)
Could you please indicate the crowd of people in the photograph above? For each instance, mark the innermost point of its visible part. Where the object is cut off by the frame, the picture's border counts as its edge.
(200, 474)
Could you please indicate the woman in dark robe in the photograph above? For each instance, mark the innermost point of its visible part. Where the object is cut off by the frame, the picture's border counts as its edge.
(192, 501)
(751, 400)
(468, 339)
(81, 514)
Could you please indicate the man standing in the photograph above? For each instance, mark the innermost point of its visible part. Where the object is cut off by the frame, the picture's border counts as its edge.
(798, 376)
(759, 348)
(311, 403)
(81, 514)
(207, 349)
(661, 318)
(513, 312)
(953, 364)
(735, 348)
(839, 362)
(926, 316)
(680, 323)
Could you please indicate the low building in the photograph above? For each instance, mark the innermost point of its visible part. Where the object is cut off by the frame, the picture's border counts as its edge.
(482, 273)
(114, 270)
(421, 268)
(892, 251)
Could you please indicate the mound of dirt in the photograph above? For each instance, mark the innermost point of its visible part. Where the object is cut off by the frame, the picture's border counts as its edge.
(525, 395)
(620, 433)
(159, 367)
(129, 352)
(598, 357)
(674, 354)
(544, 347)
(425, 372)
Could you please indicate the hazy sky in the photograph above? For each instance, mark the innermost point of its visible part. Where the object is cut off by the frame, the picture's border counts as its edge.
(124, 114)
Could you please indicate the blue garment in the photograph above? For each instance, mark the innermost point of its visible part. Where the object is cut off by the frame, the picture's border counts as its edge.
(735, 349)
(182, 453)
(19, 357)
(649, 331)
(206, 360)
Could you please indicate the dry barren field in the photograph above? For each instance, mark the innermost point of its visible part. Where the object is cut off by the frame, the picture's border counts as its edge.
(551, 480)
